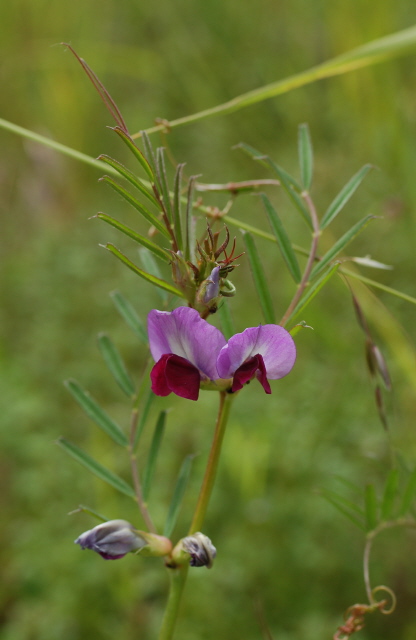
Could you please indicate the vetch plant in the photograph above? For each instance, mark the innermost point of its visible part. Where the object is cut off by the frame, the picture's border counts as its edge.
(191, 264)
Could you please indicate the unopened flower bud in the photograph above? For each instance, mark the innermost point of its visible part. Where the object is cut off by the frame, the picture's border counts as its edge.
(112, 539)
(115, 538)
(198, 548)
(208, 294)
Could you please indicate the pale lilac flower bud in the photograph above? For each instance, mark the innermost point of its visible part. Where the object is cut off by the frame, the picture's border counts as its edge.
(112, 539)
(198, 548)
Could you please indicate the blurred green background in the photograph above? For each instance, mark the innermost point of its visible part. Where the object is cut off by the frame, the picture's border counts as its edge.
(286, 558)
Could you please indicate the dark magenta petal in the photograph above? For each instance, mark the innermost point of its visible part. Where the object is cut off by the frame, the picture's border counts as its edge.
(158, 377)
(252, 367)
(175, 374)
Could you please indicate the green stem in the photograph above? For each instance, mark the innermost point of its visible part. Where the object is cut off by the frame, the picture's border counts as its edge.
(211, 469)
(177, 582)
(179, 574)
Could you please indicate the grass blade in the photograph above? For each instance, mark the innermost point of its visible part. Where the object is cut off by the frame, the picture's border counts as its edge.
(312, 291)
(160, 159)
(340, 245)
(157, 282)
(371, 508)
(390, 493)
(128, 175)
(305, 156)
(283, 240)
(96, 413)
(409, 494)
(152, 267)
(153, 453)
(344, 195)
(145, 242)
(150, 217)
(114, 362)
(177, 497)
(226, 320)
(150, 156)
(136, 152)
(128, 313)
(259, 278)
(143, 417)
(341, 508)
(177, 213)
(290, 185)
(96, 468)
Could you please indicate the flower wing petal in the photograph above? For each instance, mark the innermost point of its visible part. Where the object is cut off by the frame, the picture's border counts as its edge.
(271, 341)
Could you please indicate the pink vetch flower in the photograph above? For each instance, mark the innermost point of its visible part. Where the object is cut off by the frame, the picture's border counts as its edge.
(267, 351)
(185, 348)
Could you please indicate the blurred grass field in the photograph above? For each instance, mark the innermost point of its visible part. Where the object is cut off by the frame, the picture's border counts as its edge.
(284, 554)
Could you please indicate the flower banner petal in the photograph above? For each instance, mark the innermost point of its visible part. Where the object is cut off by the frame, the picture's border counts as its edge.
(184, 333)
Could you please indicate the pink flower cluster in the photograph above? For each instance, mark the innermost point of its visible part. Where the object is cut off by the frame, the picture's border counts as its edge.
(190, 353)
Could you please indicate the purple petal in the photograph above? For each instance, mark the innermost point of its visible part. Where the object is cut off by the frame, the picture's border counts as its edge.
(183, 332)
(271, 341)
(175, 374)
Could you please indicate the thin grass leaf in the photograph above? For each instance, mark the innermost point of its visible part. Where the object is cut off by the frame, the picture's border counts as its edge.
(83, 509)
(288, 183)
(259, 278)
(136, 152)
(153, 453)
(226, 321)
(96, 468)
(177, 201)
(340, 245)
(160, 159)
(115, 364)
(178, 495)
(344, 195)
(145, 242)
(128, 175)
(96, 413)
(189, 229)
(390, 494)
(268, 163)
(349, 504)
(152, 267)
(283, 240)
(157, 282)
(143, 417)
(341, 508)
(149, 154)
(350, 485)
(371, 507)
(305, 156)
(150, 217)
(128, 313)
(312, 291)
(409, 494)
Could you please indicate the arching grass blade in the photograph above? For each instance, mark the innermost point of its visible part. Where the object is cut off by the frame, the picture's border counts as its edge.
(344, 195)
(259, 278)
(128, 175)
(128, 313)
(115, 364)
(145, 242)
(153, 453)
(283, 240)
(147, 276)
(96, 413)
(178, 494)
(148, 215)
(96, 468)
(305, 156)
(390, 493)
(371, 508)
(340, 245)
